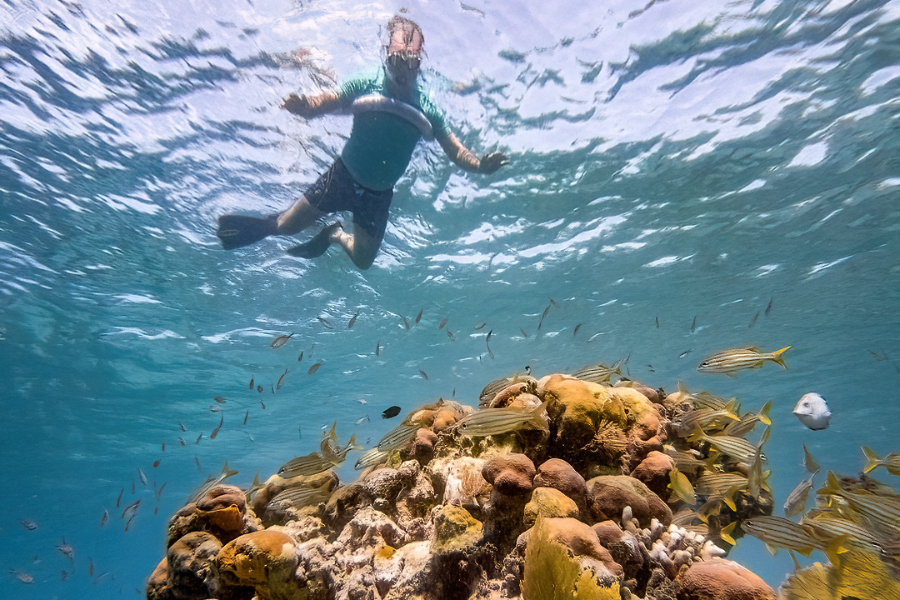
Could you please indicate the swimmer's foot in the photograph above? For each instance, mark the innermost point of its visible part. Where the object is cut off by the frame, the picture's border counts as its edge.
(239, 230)
(317, 245)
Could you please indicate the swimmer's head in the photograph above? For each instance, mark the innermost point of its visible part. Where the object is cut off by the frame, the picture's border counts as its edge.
(403, 50)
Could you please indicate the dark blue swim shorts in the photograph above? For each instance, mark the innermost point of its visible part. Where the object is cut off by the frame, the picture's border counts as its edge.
(336, 190)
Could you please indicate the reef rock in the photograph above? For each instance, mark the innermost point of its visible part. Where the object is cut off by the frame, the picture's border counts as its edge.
(558, 474)
(721, 579)
(608, 495)
(265, 560)
(548, 502)
(510, 474)
(653, 472)
(455, 531)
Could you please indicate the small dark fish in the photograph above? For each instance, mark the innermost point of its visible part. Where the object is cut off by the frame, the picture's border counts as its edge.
(281, 340)
(524, 334)
(419, 316)
(769, 307)
(31, 525)
(91, 567)
(246, 416)
(215, 431)
(575, 332)
(352, 321)
(132, 488)
(128, 523)
(487, 340)
(220, 399)
(163, 446)
(131, 508)
(281, 379)
(197, 460)
(64, 575)
(251, 383)
(119, 499)
(694, 324)
(181, 439)
(450, 334)
(314, 368)
(481, 326)
(159, 491)
(879, 357)
(156, 463)
(300, 358)
(490, 353)
(753, 320)
(685, 353)
(259, 389)
(199, 437)
(272, 385)
(424, 374)
(104, 518)
(324, 322)
(263, 404)
(657, 322)
(652, 370)
(444, 322)
(378, 348)
(182, 426)
(553, 302)
(390, 412)
(546, 310)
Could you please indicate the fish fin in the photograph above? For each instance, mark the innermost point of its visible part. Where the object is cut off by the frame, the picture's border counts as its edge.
(697, 434)
(763, 414)
(772, 549)
(732, 409)
(872, 459)
(832, 486)
(794, 558)
(835, 548)
(730, 494)
(710, 462)
(725, 533)
(778, 358)
(682, 389)
(537, 418)
(764, 437)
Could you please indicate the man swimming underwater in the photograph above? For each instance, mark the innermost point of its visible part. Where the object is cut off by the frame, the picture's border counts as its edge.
(390, 115)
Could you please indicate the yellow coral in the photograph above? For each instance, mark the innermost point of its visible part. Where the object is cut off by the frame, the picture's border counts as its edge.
(861, 574)
(551, 573)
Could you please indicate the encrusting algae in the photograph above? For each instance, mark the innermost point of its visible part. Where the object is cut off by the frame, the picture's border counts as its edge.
(556, 487)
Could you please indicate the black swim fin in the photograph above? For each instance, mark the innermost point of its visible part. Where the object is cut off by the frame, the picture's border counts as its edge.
(238, 230)
(317, 245)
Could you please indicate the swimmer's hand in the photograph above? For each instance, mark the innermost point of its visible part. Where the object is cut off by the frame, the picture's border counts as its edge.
(298, 105)
(493, 161)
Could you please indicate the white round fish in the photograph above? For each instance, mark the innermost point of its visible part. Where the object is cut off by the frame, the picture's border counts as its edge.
(812, 411)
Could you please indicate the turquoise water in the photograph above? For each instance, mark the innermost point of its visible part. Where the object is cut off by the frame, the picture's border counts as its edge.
(679, 162)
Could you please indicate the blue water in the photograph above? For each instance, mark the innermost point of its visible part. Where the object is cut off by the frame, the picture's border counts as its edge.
(681, 161)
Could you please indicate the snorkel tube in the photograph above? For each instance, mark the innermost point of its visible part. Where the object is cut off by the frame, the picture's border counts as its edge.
(377, 102)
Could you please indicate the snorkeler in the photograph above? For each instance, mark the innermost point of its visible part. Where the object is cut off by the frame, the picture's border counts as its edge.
(390, 115)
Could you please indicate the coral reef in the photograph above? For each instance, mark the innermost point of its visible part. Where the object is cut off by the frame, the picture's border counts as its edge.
(559, 487)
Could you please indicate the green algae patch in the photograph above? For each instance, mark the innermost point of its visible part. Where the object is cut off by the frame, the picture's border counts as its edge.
(455, 531)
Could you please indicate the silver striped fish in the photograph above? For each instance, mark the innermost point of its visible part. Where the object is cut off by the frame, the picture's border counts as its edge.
(495, 421)
(498, 385)
(796, 500)
(398, 437)
(732, 361)
(211, 483)
(688, 461)
(829, 525)
(305, 465)
(599, 373)
(719, 484)
(371, 458)
(298, 497)
(706, 418)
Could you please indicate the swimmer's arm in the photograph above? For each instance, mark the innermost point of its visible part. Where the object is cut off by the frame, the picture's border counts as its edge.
(312, 106)
(465, 160)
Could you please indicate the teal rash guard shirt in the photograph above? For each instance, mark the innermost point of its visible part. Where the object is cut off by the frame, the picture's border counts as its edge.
(381, 144)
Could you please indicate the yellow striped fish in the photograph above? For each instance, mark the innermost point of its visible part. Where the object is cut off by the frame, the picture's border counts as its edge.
(599, 373)
(828, 525)
(882, 510)
(370, 458)
(891, 462)
(732, 361)
(495, 421)
(736, 447)
(681, 487)
(305, 465)
(778, 532)
(749, 421)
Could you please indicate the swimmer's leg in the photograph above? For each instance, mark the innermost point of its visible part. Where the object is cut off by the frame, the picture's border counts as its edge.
(236, 231)
(361, 246)
(318, 244)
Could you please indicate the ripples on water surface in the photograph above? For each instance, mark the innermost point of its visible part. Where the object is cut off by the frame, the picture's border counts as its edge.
(670, 160)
